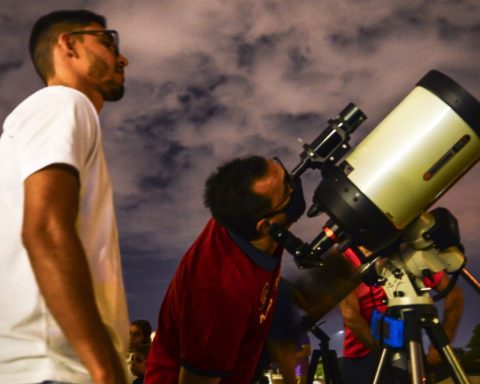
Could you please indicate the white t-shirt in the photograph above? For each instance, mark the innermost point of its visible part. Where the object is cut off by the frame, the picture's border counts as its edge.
(54, 125)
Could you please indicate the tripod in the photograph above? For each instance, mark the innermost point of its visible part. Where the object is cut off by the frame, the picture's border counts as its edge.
(409, 311)
(327, 357)
(417, 318)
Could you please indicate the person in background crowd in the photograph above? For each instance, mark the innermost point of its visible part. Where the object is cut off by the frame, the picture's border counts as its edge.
(218, 308)
(302, 355)
(63, 307)
(137, 364)
(140, 333)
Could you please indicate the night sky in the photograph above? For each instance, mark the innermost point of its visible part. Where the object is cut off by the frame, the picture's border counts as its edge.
(211, 80)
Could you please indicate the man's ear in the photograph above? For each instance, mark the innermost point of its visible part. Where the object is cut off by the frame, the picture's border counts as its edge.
(67, 44)
(262, 226)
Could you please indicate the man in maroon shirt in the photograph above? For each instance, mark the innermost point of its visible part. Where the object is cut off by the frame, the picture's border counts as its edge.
(218, 308)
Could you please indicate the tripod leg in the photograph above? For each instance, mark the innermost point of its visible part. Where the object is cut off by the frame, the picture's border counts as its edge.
(413, 335)
(459, 374)
(381, 365)
(312, 366)
(417, 369)
(439, 340)
(333, 368)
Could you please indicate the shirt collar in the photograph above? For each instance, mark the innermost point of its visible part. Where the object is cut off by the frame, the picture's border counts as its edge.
(259, 258)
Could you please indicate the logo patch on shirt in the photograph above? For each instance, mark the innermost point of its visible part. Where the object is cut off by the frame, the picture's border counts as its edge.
(263, 316)
(266, 302)
(264, 294)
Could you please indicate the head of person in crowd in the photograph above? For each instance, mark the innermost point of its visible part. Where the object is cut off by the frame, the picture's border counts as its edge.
(140, 333)
(73, 48)
(139, 356)
(247, 194)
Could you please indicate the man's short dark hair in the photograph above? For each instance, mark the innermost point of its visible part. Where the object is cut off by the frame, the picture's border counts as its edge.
(45, 33)
(229, 195)
(145, 327)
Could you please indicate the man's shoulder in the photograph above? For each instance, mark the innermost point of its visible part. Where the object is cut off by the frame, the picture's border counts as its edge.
(213, 251)
(67, 94)
(214, 236)
(53, 97)
(49, 104)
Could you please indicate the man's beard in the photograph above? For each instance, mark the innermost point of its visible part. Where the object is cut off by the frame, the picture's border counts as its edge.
(109, 89)
(112, 91)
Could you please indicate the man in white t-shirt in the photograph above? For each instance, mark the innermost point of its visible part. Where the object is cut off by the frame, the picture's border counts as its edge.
(63, 313)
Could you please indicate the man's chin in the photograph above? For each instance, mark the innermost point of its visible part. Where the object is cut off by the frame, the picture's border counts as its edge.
(113, 92)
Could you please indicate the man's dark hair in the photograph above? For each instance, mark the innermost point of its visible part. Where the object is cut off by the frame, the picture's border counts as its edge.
(45, 33)
(229, 195)
(146, 329)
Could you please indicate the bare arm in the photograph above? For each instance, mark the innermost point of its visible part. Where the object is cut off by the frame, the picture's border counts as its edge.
(186, 377)
(453, 309)
(61, 269)
(283, 352)
(350, 310)
(304, 352)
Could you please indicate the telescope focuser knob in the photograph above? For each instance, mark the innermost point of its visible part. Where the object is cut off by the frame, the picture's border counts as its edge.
(398, 273)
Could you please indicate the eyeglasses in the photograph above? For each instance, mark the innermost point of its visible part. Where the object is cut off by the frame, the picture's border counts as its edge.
(288, 182)
(110, 40)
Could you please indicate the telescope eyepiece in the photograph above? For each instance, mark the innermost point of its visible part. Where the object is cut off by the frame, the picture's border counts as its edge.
(351, 117)
(332, 143)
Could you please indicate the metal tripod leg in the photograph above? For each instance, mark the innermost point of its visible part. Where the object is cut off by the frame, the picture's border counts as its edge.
(413, 335)
(439, 340)
(417, 370)
(381, 365)
(416, 364)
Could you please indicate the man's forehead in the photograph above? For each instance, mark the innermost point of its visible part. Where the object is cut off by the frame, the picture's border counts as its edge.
(93, 27)
(272, 182)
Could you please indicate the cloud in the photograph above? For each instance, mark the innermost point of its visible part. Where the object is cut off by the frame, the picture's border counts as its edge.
(211, 80)
(258, 75)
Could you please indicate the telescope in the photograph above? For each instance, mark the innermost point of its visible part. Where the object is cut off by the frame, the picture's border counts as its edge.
(373, 194)
(377, 198)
